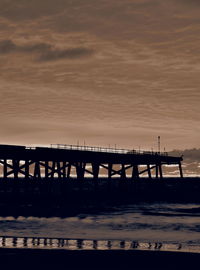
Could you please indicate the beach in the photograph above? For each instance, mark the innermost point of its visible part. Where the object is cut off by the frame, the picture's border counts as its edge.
(117, 259)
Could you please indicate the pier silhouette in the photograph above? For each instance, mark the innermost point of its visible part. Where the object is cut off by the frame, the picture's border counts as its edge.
(59, 160)
(66, 179)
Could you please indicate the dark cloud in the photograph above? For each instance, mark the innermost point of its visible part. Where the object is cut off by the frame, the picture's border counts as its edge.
(39, 47)
(189, 2)
(46, 51)
(51, 55)
(7, 46)
(27, 10)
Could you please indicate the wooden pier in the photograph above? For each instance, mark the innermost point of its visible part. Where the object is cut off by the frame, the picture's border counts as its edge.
(66, 179)
(69, 161)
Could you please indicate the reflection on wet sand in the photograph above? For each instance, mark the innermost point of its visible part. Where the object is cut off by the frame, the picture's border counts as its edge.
(88, 244)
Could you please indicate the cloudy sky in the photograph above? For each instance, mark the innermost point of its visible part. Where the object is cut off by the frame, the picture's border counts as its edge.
(104, 72)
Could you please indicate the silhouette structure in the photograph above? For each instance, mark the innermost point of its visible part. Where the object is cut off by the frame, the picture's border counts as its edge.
(66, 179)
(59, 160)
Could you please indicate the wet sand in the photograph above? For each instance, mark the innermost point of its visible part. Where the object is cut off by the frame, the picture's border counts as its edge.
(101, 259)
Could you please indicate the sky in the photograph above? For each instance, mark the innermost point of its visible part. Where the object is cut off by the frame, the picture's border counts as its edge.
(100, 72)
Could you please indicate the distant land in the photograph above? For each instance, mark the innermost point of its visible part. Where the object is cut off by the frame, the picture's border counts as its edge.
(189, 154)
(191, 161)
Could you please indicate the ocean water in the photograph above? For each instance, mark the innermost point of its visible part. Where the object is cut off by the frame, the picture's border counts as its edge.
(164, 222)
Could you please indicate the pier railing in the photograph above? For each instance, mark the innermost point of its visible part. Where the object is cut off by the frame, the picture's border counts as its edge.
(106, 149)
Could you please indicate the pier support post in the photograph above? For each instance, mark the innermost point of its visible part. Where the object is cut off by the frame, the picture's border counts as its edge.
(15, 168)
(37, 170)
(80, 170)
(160, 170)
(26, 169)
(53, 169)
(123, 172)
(149, 171)
(46, 169)
(109, 171)
(64, 169)
(95, 170)
(180, 169)
(156, 171)
(69, 170)
(5, 169)
(58, 170)
(135, 173)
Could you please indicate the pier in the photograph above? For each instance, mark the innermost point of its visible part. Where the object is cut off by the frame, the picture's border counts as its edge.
(66, 179)
(70, 161)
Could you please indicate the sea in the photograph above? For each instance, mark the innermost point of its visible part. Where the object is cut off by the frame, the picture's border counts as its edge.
(166, 223)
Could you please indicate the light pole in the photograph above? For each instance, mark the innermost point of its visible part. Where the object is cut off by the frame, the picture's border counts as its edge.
(159, 144)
